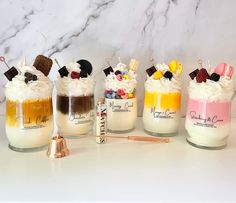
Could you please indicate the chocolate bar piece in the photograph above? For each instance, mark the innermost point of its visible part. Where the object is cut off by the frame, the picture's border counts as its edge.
(215, 77)
(168, 75)
(151, 71)
(11, 73)
(85, 66)
(43, 64)
(108, 70)
(193, 74)
(63, 72)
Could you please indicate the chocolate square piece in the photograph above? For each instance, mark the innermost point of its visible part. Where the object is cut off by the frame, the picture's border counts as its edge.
(108, 70)
(63, 72)
(11, 73)
(43, 64)
(193, 74)
(150, 71)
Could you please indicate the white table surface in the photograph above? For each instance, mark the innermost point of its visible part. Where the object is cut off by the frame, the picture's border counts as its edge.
(121, 170)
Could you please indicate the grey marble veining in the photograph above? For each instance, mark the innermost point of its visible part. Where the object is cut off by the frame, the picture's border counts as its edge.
(101, 29)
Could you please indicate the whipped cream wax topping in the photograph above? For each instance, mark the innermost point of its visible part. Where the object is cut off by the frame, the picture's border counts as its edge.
(75, 87)
(19, 90)
(127, 84)
(223, 90)
(163, 85)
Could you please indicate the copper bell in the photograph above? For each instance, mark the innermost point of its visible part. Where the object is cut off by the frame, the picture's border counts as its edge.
(57, 147)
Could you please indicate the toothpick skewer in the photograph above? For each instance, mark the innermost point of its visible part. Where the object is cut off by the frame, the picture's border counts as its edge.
(2, 58)
(57, 63)
(152, 61)
(200, 63)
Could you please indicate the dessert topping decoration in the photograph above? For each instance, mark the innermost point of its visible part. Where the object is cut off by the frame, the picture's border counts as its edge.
(85, 66)
(175, 67)
(43, 64)
(193, 74)
(11, 72)
(150, 71)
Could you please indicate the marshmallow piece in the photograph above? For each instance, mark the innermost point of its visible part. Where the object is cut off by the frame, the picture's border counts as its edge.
(224, 70)
(220, 69)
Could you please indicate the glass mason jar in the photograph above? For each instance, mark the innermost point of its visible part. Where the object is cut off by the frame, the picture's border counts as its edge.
(208, 123)
(161, 113)
(75, 114)
(29, 123)
(121, 114)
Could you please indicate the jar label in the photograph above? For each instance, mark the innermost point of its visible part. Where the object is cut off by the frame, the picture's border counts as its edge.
(81, 118)
(121, 106)
(208, 114)
(163, 114)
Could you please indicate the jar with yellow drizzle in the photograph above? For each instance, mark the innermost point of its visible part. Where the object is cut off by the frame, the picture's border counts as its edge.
(161, 112)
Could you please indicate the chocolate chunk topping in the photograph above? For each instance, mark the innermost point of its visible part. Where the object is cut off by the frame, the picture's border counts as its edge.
(43, 64)
(215, 77)
(29, 77)
(11, 73)
(63, 72)
(118, 72)
(193, 74)
(150, 71)
(168, 75)
(108, 70)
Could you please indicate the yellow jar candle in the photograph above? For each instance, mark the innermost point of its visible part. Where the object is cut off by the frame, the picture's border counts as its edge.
(162, 102)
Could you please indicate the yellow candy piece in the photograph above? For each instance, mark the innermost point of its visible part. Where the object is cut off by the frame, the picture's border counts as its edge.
(175, 67)
(130, 95)
(157, 75)
(126, 77)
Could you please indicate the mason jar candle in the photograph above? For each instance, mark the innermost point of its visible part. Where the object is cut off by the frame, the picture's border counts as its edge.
(120, 97)
(29, 112)
(75, 99)
(208, 115)
(162, 102)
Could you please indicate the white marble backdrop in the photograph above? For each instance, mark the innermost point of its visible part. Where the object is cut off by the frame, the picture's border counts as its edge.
(100, 29)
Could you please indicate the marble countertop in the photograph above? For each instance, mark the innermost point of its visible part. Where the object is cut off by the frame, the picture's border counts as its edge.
(121, 170)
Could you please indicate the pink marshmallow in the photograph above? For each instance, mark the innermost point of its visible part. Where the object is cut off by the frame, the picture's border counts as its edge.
(230, 71)
(223, 70)
(220, 69)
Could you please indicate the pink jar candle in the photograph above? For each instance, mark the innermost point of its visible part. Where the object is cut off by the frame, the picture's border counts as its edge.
(208, 115)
